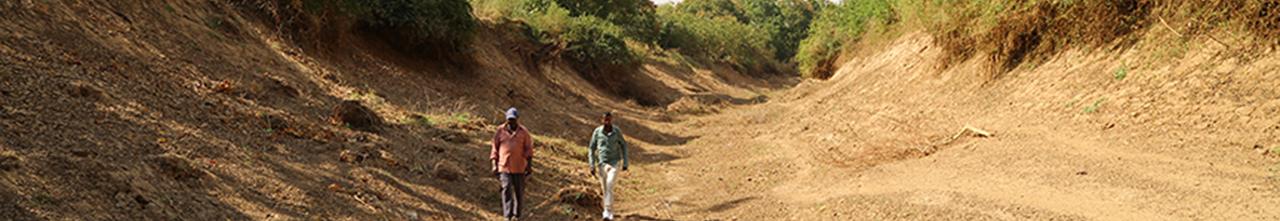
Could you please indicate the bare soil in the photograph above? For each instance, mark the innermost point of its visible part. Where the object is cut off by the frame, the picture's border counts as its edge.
(200, 110)
(207, 110)
(1183, 140)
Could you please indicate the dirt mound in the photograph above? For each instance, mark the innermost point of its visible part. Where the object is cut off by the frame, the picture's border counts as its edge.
(354, 115)
(578, 196)
(177, 167)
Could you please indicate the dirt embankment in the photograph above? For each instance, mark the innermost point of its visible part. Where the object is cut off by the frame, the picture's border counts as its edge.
(1086, 134)
(212, 110)
(1096, 110)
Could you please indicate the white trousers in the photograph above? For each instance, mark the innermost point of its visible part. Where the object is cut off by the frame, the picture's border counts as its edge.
(608, 176)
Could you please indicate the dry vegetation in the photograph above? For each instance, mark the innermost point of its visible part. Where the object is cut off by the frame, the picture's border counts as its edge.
(1011, 33)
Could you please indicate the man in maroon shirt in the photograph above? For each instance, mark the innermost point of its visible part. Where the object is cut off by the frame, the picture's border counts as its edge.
(512, 156)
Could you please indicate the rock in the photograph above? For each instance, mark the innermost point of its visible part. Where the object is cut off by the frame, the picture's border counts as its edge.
(175, 166)
(336, 188)
(224, 87)
(277, 87)
(141, 200)
(356, 116)
(85, 90)
(1082, 173)
(579, 196)
(446, 171)
(275, 123)
(9, 161)
(349, 156)
(454, 138)
(412, 215)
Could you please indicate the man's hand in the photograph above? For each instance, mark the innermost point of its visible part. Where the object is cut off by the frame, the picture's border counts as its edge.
(495, 167)
(528, 171)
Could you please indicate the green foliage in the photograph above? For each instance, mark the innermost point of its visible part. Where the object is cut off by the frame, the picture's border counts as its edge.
(434, 21)
(1094, 108)
(746, 33)
(497, 8)
(1122, 72)
(637, 17)
(720, 38)
(594, 40)
(588, 40)
(835, 26)
(417, 119)
(462, 117)
(792, 25)
(713, 9)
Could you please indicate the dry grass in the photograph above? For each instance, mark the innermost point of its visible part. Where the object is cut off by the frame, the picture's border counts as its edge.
(1012, 33)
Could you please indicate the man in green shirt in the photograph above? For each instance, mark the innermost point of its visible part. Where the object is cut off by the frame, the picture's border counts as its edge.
(606, 148)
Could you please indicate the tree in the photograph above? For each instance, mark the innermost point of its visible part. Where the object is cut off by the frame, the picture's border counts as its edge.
(636, 16)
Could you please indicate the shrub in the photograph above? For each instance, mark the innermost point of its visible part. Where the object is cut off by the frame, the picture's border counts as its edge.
(794, 17)
(721, 39)
(433, 21)
(637, 17)
(835, 26)
(595, 41)
(591, 42)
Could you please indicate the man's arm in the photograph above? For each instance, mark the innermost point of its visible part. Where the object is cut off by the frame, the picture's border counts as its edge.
(493, 152)
(591, 151)
(528, 153)
(622, 141)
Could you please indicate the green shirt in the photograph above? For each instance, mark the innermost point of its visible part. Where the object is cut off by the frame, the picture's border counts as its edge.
(607, 148)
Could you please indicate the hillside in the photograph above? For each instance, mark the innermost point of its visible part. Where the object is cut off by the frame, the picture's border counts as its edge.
(210, 110)
(907, 110)
(883, 139)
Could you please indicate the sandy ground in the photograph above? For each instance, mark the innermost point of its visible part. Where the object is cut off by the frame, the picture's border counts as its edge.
(1168, 142)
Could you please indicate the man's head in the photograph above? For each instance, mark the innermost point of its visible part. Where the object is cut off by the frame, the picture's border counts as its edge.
(607, 118)
(513, 116)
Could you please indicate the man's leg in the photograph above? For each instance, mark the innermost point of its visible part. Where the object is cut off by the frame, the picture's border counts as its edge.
(518, 183)
(508, 201)
(607, 178)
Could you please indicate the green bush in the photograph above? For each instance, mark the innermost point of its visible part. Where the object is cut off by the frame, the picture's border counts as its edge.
(593, 40)
(721, 38)
(747, 32)
(835, 26)
(794, 17)
(713, 8)
(637, 17)
(587, 40)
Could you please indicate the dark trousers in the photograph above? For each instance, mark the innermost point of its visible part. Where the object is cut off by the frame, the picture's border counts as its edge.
(512, 194)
